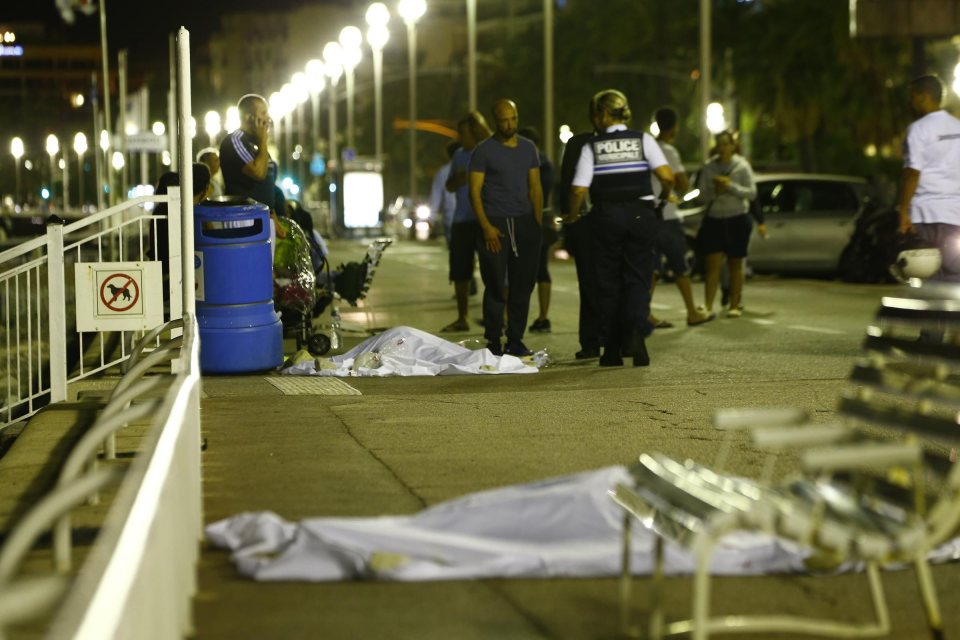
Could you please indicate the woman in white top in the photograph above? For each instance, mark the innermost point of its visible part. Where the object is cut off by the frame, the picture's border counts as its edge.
(727, 186)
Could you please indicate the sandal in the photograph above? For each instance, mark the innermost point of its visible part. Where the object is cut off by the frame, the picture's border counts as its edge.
(703, 319)
(456, 327)
(660, 324)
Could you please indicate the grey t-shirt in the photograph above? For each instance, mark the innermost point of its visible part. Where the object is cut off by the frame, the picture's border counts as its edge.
(505, 192)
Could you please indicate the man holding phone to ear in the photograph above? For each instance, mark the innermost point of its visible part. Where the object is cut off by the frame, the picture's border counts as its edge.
(245, 162)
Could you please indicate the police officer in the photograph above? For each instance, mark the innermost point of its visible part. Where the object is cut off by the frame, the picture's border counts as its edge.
(617, 167)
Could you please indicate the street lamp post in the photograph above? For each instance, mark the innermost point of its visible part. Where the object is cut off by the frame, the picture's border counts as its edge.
(16, 150)
(706, 77)
(301, 92)
(53, 148)
(377, 35)
(65, 167)
(350, 40)
(411, 11)
(472, 53)
(333, 64)
(548, 79)
(105, 148)
(316, 81)
(289, 102)
(80, 146)
(275, 109)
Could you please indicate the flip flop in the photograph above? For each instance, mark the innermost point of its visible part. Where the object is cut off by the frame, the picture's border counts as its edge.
(455, 327)
(704, 320)
(663, 324)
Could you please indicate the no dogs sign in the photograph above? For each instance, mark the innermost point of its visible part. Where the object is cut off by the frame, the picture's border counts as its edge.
(118, 296)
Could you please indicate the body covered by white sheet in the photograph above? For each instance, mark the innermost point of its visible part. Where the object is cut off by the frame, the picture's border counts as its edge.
(566, 526)
(405, 351)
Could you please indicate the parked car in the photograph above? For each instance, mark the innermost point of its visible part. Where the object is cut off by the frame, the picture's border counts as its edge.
(817, 224)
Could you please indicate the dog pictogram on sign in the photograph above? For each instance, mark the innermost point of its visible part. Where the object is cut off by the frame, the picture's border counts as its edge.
(118, 296)
(119, 292)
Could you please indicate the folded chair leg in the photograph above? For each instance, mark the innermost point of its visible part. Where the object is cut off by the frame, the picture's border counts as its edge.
(656, 592)
(928, 591)
(626, 577)
(701, 592)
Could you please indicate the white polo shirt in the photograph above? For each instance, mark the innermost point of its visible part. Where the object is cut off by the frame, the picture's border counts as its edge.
(583, 177)
(932, 147)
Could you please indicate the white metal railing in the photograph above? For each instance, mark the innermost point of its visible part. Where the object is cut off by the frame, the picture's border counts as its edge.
(37, 300)
(139, 577)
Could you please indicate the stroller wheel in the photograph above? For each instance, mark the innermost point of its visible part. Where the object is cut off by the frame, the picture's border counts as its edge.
(318, 344)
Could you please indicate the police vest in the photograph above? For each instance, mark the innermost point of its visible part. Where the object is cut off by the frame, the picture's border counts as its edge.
(620, 169)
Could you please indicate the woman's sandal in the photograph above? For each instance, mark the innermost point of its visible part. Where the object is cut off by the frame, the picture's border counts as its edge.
(455, 327)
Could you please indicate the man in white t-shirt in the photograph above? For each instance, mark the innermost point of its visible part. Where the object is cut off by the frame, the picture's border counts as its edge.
(671, 242)
(930, 194)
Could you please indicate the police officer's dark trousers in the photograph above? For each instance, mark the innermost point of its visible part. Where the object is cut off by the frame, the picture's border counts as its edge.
(509, 276)
(624, 243)
(580, 243)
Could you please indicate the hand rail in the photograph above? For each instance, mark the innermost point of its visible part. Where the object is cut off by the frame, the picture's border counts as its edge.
(39, 518)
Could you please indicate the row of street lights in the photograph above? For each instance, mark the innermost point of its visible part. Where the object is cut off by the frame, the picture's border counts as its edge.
(80, 147)
(341, 58)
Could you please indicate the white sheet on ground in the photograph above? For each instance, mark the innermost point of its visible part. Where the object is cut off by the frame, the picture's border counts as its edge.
(565, 526)
(405, 351)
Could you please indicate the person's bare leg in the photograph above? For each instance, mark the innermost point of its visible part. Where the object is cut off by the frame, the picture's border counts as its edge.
(461, 292)
(711, 279)
(686, 292)
(735, 265)
(543, 296)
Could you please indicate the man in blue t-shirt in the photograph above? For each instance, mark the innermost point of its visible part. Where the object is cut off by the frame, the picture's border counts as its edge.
(507, 199)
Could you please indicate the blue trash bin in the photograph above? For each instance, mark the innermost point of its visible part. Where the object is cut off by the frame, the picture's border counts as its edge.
(239, 329)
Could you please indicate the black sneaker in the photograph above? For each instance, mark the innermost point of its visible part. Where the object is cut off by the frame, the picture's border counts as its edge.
(611, 358)
(641, 358)
(495, 348)
(587, 354)
(540, 326)
(517, 349)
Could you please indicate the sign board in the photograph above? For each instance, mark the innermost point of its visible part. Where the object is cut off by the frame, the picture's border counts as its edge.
(146, 142)
(118, 296)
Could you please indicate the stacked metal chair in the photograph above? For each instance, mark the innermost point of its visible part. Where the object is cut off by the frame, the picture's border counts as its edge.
(878, 487)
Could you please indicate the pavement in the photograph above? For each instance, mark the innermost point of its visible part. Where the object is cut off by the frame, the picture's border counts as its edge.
(407, 443)
(300, 448)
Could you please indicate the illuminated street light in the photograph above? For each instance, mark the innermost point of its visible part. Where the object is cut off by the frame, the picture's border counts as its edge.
(232, 123)
(53, 148)
(716, 120)
(565, 133)
(80, 147)
(16, 150)
(104, 140)
(411, 11)
(211, 124)
(351, 40)
(158, 128)
(377, 36)
(117, 161)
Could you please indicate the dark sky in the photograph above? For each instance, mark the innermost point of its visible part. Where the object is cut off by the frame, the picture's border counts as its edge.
(142, 25)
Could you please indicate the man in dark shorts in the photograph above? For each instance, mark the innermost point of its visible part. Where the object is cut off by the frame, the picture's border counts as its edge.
(465, 231)
(506, 196)
(671, 242)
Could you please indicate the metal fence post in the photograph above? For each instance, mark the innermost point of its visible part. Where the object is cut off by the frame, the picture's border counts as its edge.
(56, 310)
(175, 262)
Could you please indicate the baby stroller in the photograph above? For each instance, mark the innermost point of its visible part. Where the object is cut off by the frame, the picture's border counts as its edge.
(305, 288)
